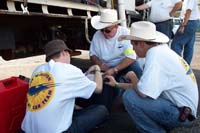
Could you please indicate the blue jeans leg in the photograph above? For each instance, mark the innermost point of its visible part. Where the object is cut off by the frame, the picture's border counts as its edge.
(184, 43)
(165, 27)
(132, 67)
(87, 119)
(106, 98)
(189, 50)
(151, 115)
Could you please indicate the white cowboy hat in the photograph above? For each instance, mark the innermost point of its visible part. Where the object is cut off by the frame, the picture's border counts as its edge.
(145, 31)
(107, 18)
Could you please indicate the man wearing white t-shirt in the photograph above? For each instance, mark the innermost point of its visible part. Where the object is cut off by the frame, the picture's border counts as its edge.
(161, 13)
(166, 96)
(112, 56)
(184, 38)
(52, 92)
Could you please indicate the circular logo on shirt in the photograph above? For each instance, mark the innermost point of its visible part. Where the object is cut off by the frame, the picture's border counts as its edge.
(41, 91)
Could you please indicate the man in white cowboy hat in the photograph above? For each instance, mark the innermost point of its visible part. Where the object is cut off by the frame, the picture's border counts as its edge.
(166, 96)
(106, 51)
(113, 57)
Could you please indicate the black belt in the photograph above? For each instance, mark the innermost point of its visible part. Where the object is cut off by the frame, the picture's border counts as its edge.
(163, 21)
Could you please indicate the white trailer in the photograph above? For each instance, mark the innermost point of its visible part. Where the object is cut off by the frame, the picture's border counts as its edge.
(26, 25)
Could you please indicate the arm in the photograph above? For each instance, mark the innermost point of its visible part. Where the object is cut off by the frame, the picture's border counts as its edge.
(97, 61)
(176, 7)
(124, 64)
(95, 69)
(112, 82)
(133, 83)
(185, 21)
(142, 7)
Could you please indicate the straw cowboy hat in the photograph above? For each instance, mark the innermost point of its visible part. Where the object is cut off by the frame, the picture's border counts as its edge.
(107, 18)
(145, 31)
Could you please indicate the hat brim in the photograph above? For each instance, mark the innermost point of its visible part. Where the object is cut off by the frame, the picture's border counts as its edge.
(97, 24)
(160, 38)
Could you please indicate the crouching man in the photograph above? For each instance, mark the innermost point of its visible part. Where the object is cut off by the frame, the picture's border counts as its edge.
(166, 96)
(52, 92)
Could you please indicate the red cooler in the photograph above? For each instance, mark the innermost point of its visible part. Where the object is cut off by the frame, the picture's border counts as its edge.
(12, 104)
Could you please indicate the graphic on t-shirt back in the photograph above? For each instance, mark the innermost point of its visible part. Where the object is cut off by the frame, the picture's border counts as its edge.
(41, 91)
(188, 69)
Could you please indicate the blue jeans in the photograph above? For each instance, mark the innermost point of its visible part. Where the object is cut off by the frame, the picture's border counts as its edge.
(87, 119)
(106, 98)
(165, 27)
(132, 67)
(184, 43)
(151, 115)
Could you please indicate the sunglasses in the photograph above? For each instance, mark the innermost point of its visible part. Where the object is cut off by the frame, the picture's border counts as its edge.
(106, 30)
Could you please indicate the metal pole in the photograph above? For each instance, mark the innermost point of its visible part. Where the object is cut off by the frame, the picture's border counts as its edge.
(122, 14)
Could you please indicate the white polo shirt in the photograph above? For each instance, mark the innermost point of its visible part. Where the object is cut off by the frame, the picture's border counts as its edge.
(192, 5)
(160, 9)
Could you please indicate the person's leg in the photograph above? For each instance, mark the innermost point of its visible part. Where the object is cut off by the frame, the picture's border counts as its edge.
(87, 119)
(178, 43)
(190, 31)
(187, 38)
(165, 27)
(189, 50)
(151, 115)
(132, 67)
(106, 98)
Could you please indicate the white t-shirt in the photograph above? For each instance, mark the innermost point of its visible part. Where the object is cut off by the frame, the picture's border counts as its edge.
(160, 9)
(111, 51)
(193, 6)
(167, 75)
(51, 97)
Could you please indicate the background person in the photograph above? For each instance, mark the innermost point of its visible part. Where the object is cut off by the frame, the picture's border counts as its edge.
(166, 96)
(52, 92)
(183, 41)
(161, 13)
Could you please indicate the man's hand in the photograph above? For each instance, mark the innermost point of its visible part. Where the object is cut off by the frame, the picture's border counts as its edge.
(111, 80)
(93, 69)
(131, 76)
(181, 29)
(104, 67)
(171, 14)
(110, 71)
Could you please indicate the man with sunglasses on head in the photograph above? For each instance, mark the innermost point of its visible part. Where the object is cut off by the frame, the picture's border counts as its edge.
(113, 57)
